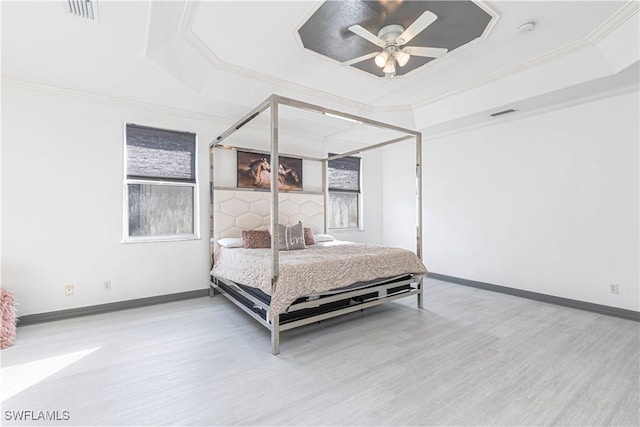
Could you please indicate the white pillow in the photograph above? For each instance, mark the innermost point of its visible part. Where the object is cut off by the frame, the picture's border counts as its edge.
(323, 238)
(231, 242)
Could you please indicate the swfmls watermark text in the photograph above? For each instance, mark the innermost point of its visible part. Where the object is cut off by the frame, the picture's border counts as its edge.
(37, 415)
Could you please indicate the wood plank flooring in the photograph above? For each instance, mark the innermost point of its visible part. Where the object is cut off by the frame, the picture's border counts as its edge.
(471, 357)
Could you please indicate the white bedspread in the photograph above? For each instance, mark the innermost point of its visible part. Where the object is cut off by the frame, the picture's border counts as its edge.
(314, 270)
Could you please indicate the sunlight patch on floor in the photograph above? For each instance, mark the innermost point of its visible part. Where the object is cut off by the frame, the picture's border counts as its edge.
(18, 378)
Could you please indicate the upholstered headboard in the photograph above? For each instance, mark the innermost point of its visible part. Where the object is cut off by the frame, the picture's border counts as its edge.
(234, 211)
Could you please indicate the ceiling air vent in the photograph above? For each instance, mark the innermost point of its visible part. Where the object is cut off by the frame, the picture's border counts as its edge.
(84, 8)
(500, 113)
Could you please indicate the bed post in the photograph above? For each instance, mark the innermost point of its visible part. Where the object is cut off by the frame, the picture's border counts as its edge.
(211, 230)
(419, 212)
(421, 293)
(274, 192)
(275, 259)
(275, 335)
(325, 197)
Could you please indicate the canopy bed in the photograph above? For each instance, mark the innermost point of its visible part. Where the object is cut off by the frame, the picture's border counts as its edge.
(282, 286)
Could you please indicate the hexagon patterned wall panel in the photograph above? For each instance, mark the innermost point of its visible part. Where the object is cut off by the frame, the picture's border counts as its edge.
(234, 211)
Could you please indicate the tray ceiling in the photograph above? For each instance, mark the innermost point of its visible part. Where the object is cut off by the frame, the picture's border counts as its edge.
(327, 29)
(221, 58)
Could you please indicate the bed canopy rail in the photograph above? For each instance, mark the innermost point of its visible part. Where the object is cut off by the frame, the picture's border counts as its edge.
(272, 104)
(275, 100)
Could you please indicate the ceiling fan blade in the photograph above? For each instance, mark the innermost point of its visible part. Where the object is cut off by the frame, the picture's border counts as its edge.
(361, 58)
(423, 21)
(365, 34)
(429, 52)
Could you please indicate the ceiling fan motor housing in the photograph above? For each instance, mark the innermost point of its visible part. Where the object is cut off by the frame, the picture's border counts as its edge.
(390, 34)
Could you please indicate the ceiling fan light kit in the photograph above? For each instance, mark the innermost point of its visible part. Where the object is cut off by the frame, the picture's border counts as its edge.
(381, 59)
(390, 38)
(402, 57)
(390, 68)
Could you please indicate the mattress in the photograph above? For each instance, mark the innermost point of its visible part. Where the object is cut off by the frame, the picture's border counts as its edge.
(315, 270)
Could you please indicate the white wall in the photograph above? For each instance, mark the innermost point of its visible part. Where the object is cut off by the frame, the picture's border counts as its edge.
(547, 203)
(62, 198)
(399, 214)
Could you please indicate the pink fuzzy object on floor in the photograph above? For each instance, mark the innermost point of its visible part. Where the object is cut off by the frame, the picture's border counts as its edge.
(8, 322)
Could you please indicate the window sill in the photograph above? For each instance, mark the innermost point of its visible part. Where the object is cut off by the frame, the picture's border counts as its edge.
(345, 230)
(159, 239)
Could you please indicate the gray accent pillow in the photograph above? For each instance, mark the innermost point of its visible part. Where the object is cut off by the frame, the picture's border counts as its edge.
(291, 237)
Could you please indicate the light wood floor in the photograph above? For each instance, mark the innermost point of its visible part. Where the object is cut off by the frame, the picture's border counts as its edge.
(471, 357)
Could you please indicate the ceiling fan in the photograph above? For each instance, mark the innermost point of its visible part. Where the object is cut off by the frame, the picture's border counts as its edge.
(391, 38)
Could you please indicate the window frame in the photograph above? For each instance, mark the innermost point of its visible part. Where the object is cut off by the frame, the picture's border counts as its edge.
(126, 238)
(360, 196)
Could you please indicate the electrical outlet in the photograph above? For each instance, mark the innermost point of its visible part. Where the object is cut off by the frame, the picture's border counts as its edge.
(68, 290)
(107, 285)
(614, 288)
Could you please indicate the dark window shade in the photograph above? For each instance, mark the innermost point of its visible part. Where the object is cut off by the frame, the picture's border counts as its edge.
(160, 154)
(344, 174)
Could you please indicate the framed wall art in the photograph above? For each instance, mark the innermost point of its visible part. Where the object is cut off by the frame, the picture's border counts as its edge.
(254, 171)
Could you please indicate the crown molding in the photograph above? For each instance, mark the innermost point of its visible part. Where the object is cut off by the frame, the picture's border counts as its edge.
(112, 100)
(495, 17)
(144, 106)
(626, 12)
(534, 112)
(591, 40)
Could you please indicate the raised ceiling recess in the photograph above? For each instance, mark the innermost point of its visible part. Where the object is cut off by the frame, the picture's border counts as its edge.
(336, 29)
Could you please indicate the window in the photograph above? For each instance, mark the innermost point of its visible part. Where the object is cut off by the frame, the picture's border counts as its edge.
(160, 184)
(343, 176)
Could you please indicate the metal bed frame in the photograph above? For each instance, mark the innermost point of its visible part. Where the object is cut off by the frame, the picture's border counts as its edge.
(413, 285)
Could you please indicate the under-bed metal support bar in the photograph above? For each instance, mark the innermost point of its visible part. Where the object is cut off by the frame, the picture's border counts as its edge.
(350, 309)
(275, 327)
(251, 313)
(351, 294)
(255, 301)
